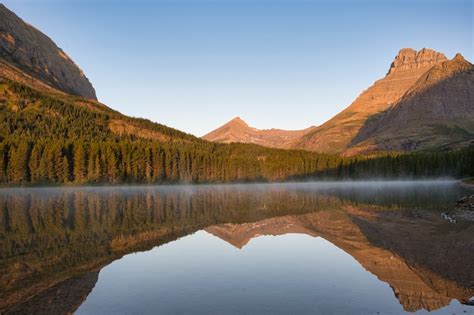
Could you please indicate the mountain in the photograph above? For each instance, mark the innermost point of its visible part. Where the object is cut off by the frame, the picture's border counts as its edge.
(337, 133)
(436, 112)
(238, 130)
(23, 47)
(51, 135)
(423, 102)
(53, 130)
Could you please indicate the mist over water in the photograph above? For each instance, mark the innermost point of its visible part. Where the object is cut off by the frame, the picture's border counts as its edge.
(404, 189)
(357, 247)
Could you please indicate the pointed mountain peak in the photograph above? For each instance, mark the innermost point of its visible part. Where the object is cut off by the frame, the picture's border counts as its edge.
(237, 130)
(459, 57)
(410, 59)
(460, 61)
(237, 120)
(440, 72)
(449, 67)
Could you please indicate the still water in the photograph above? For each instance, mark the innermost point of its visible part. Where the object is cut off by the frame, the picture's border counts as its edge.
(296, 248)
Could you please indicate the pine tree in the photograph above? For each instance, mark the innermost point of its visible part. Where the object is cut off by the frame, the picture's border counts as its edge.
(80, 162)
(18, 168)
(35, 163)
(64, 177)
(3, 162)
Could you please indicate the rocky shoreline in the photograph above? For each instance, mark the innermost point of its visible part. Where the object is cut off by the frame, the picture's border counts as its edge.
(464, 210)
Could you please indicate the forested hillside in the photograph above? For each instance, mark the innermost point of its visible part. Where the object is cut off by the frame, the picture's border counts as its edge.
(48, 138)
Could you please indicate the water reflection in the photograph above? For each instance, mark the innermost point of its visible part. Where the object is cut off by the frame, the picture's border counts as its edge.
(55, 241)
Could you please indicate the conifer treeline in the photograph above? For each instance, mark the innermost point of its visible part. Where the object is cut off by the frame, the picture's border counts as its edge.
(455, 163)
(56, 139)
(140, 161)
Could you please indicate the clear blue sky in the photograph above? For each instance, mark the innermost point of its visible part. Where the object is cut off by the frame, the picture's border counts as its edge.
(288, 64)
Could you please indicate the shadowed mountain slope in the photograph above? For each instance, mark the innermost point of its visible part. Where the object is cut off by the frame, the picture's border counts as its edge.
(336, 134)
(26, 48)
(436, 112)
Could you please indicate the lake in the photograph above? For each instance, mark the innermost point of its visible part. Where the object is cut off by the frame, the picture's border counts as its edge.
(292, 248)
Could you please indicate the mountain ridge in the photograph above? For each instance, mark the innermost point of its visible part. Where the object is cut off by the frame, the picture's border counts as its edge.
(238, 131)
(437, 111)
(335, 135)
(50, 136)
(409, 72)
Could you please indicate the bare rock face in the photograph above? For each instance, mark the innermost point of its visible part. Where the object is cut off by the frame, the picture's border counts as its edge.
(26, 48)
(410, 60)
(336, 134)
(436, 112)
(238, 130)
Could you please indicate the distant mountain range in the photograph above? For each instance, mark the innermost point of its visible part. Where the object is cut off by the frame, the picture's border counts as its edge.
(425, 101)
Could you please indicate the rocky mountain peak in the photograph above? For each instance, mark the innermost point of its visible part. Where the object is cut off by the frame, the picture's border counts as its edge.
(26, 48)
(238, 121)
(459, 57)
(435, 112)
(410, 59)
(237, 130)
(460, 62)
(441, 71)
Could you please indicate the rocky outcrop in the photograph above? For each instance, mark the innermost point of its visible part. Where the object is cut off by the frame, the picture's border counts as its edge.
(466, 203)
(238, 130)
(336, 134)
(464, 210)
(31, 51)
(11, 72)
(436, 112)
(410, 60)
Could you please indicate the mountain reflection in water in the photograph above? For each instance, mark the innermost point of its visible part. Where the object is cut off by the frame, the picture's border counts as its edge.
(55, 241)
